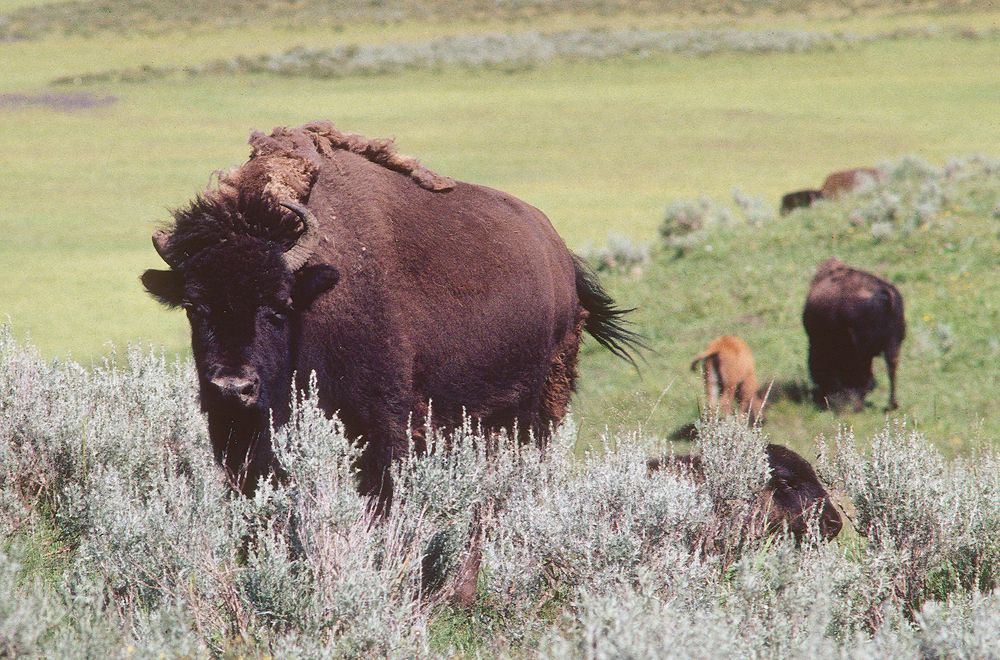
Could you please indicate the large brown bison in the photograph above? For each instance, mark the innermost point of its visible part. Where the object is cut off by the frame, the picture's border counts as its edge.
(844, 181)
(728, 372)
(402, 290)
(793, 493)
(799, 199)
(851, 316)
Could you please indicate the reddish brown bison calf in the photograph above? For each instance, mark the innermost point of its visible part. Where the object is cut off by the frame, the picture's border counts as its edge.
(792, 496)
(851, 316)
(727, 368)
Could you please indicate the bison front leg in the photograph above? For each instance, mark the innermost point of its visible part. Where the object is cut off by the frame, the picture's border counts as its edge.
(386, 443)
(375, 475)
(751, 405)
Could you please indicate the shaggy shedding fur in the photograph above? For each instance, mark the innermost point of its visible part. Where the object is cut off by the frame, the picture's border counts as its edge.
(283, 167)
(214, 219)
(560, 382)
(381, 151)
(284, 164)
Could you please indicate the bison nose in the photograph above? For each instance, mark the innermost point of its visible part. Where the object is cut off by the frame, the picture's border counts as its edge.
(831, 523)
(238, 389)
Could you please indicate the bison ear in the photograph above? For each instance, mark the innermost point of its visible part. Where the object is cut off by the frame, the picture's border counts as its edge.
(164, 285)
(312, 281)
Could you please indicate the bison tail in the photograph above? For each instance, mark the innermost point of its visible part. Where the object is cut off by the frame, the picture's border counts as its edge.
(701, 357)
(605, 322)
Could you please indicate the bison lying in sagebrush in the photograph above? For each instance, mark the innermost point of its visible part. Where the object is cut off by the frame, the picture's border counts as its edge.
(332, 254)
(851, 316)
(792, 496)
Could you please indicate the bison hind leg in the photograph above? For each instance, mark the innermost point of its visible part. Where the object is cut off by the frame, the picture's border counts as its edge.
(560, 381)
(713, 384)
(891, 363)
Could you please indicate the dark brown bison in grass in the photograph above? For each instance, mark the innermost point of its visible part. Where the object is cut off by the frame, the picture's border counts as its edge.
(839, 183)
(792, 495)
(799, 199)
(851, 316)
(402, 290)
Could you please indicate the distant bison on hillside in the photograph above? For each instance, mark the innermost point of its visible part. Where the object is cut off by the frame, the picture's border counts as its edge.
(402, 290)
(839, 183)
(850, 317)
(728, 371)
(791, 495)
(799, 199)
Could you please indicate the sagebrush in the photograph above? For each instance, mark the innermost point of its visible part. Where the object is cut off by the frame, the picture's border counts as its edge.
(120, 536)
(512, 51)
(90, 17)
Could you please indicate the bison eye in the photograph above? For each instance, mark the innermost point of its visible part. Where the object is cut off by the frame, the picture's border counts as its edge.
(194, 310)
(276, 317)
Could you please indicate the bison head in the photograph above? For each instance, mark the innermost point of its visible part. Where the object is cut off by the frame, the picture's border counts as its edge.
(243, 295)
(794, 494)
(791, 498)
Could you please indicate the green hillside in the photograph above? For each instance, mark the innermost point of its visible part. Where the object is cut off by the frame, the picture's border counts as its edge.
(936, 235)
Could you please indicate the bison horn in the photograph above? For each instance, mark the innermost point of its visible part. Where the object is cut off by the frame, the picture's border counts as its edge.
(297, 255)
(161, 243)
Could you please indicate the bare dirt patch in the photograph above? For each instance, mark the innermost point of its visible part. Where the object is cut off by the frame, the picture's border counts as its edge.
(62, 101)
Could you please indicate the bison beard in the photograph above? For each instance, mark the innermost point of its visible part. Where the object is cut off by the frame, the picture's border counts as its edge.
(331, 254)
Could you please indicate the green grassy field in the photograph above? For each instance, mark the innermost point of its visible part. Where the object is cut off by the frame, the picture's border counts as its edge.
(753, 282)
(599, 146)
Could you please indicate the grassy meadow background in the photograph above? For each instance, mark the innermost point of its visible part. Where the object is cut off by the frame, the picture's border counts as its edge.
(118, 535)
(602, 146)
